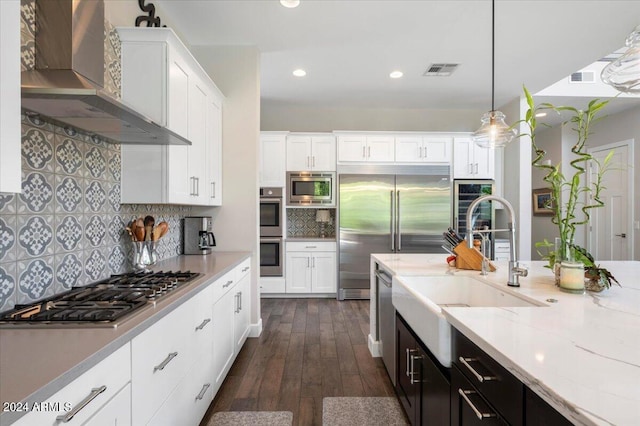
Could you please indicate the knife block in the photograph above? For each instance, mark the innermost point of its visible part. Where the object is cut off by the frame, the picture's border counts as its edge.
(468, 258)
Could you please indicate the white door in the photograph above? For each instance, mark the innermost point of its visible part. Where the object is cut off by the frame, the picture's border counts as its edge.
(381, 149)
(298, 272)
(462, 158)
(611, 234)
(323, 272)
(224, 343)
(436, 149)
(352, 148)
(323, 153)
(298, 153)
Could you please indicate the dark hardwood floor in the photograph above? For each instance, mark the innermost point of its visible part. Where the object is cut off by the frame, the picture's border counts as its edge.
(309, 349)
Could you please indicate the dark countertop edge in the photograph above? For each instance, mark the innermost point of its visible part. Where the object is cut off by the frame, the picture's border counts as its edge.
(57, 384)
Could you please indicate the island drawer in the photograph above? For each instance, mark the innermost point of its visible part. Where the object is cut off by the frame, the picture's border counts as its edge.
(499, 387)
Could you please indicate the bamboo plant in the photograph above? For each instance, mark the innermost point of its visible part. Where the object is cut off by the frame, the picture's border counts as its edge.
(582, 195)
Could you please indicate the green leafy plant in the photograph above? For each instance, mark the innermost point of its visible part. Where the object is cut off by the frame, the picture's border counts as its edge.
(582, 195)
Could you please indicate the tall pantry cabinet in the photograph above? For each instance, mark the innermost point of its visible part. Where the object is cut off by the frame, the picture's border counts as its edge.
(161, 79)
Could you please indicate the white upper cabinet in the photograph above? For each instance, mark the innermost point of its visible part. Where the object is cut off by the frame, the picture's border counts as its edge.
(10, 138)
(161, 79)
(366, 148)
(423, 149)
(311, 152)
(471, 161)
(272, 159)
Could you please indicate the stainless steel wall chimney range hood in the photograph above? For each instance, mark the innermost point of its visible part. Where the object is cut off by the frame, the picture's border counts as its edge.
(67, 84)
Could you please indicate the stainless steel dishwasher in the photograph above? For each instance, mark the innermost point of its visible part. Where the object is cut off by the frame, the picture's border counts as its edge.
(386, 321)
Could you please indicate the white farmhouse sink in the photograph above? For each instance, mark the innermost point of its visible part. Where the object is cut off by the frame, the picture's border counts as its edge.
(420, 301)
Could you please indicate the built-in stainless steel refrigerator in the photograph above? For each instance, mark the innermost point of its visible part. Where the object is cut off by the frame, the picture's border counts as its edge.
(386, 209)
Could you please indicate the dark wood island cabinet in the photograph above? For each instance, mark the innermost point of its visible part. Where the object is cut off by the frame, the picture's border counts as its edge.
(422, 383)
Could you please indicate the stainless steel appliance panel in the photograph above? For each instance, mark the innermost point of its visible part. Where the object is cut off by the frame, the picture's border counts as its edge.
(387, 209)
(271, 257)
(270, 212)
(311, 188)
(464, 192)
(366, 226)
(423, 211)
(198, 235)
(386, 322)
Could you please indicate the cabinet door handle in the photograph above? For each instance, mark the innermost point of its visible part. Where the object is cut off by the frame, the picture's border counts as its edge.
(425, 152)
(476, 169)
(409, 371)
(420, 152)
(480, 377)
(197, 186)
(213, 190)
(364, 152)
(313, 262)
(192, 185)
(470, 168)
(166, 361)
(239, 301)
(203, 391)
(369, 152)
(227, 284)
(480, 415)
(308, 262)
(203, 323)
(66, 418)
(412, 373)
(623, 235)
(313, 161)
(406, 372)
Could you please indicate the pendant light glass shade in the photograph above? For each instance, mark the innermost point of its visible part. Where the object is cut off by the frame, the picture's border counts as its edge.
(494, 132)
(624, 73)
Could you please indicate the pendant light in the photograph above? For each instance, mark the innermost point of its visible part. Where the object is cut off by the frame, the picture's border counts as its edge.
(494, 132)
(624, 73)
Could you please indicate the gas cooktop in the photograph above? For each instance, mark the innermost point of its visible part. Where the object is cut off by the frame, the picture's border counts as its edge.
(105, 303)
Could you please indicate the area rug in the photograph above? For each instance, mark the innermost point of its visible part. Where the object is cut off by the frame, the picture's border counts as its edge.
(361, 411)
(251, 418)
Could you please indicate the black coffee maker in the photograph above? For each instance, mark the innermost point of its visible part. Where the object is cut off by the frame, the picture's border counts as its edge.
(198, 238)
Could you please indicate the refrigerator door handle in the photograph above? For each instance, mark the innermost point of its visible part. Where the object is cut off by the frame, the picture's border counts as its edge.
(392, 221)
(398, 230)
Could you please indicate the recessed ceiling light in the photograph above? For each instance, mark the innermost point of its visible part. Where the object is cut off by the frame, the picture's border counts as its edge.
(290, 3)
(396, 74)
(541, 114)
(299, 72)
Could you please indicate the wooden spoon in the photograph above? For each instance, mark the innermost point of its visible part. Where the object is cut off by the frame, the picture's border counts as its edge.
(160, 230)
(139, 229)
(149, 221)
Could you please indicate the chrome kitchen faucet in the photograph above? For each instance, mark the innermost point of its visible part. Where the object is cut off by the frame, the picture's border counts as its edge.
(515, 271)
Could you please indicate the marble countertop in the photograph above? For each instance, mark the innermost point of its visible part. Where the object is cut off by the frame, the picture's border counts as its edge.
(581, 353)
(303, 239)
(37, 362)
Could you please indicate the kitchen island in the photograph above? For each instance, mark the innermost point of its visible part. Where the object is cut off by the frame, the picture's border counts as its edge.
(37, 362)
(579, 352)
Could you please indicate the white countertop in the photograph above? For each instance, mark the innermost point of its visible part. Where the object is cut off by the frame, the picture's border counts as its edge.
(581, 354)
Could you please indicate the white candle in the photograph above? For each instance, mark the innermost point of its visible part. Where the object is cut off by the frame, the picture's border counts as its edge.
(572, 275)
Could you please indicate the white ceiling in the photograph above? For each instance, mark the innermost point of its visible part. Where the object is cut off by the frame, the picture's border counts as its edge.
(349, 47)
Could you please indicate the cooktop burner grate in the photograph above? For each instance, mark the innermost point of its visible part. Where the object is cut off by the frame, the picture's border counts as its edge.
(103, 303)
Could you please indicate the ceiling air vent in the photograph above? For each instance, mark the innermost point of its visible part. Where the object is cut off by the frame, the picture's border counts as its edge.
(583, 77)
(440, 70)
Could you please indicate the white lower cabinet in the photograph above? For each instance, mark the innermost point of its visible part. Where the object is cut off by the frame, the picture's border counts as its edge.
(310, 267)
(116, 412)
(159, 359)
(86, 397)
(224, 343)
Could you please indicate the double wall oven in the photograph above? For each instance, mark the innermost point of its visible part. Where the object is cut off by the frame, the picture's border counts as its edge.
(271, 244)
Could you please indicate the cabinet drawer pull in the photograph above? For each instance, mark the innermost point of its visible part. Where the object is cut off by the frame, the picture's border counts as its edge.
(480, 377)
(412, 373)
(227, 284)
(166, 361)
(479, 414)
(71, 414)
(203, 391)
(245, 269)
(310, 246)
(203, 323)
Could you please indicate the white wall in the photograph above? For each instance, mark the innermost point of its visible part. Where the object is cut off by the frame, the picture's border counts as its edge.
(517, 177)
(618, 127)
(236, 72)
(321, 119)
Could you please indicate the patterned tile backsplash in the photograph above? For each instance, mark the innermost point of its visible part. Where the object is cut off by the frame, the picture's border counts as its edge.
(302, 223)
(66, 228)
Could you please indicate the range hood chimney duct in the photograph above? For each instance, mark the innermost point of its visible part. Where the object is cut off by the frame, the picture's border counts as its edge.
(67, 84)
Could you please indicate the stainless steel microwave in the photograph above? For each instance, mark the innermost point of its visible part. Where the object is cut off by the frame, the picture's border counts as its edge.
(311, 188)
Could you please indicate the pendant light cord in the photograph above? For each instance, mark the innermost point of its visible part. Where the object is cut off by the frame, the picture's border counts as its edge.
(493, 48)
